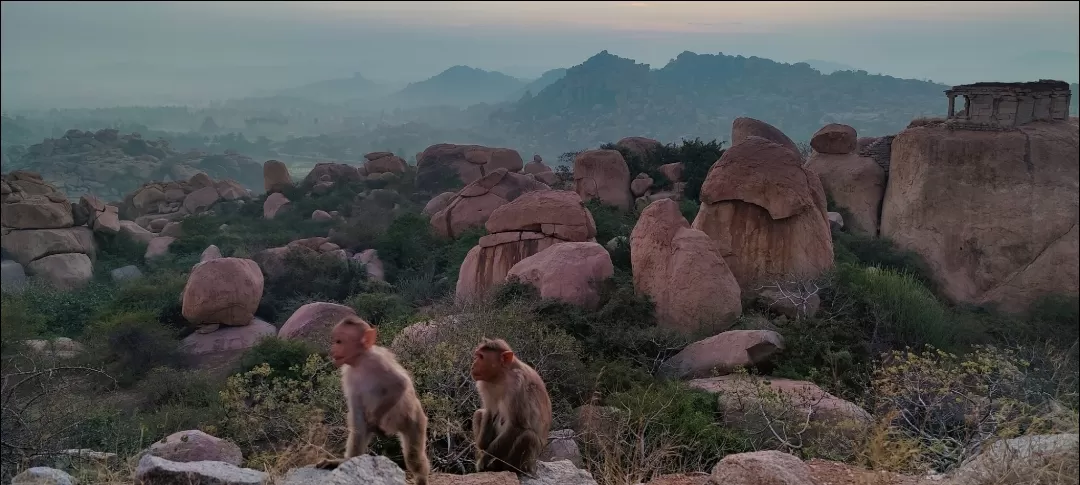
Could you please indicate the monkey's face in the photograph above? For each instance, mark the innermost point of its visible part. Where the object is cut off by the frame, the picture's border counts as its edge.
(486, 366)
(346, 344)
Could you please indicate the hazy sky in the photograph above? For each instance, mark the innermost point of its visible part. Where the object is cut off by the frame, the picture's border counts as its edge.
(65, 50)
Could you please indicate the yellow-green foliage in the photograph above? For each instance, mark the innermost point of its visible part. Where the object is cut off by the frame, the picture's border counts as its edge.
(262, 406)
(948, 403)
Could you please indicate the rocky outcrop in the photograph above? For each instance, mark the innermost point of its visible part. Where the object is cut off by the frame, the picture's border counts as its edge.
(39, 232)
(571, 272)
(109, 164)
(313, 322)
(447, 165)
(744, 128)
(638, 145)
(383, 162)
(855, 183)
(276, 177)
(682, 270)
(274, 204)
(537, 168)
(835, 139)
(438, 203)
(993, 213)
(767, 213)
(332, 173)
(172, 201)
(604, 175)
(216, 347)
(723, 353)
(522, 228)
(474, 204)
(223, 291)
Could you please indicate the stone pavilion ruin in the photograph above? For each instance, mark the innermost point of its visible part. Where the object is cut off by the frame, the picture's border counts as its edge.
(1011, 104)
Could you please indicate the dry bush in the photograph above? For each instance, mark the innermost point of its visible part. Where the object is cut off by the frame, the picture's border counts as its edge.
(43, 407)
(793, 418)
(950, 407)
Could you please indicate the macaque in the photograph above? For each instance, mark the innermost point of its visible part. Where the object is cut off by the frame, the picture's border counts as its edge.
(511, 427)
(380, 397)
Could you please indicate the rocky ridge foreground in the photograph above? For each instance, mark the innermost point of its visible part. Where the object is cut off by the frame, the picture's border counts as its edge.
(109, 164)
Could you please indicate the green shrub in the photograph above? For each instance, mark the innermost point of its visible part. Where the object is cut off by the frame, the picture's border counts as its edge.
(900, 308)
(167, 386)
(67, 313)
(284, 356)
(312, 275)
(17, 322)
(115, 251)
(689, 209)
(132, 343)
(855, 248)
(610, 221)
(379, 308)
(623, 327)
(661, 428)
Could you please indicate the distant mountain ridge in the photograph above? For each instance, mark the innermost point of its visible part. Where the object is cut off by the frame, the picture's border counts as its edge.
(698, 95)
(460, 86)
(337, 90)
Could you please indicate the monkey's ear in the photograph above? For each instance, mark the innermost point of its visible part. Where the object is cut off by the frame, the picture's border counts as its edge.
(507, 357)
(368, 340)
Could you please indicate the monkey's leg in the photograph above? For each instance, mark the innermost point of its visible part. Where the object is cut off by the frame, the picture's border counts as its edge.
(515, 450)
(525, 450)
(414, 447)
(356, 445)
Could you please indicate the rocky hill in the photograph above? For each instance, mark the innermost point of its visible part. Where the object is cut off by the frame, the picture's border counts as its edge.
(109, 165)
(459, 86)
(699, 95)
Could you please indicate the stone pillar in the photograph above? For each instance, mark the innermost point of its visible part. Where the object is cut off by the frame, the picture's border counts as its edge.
(952, 106)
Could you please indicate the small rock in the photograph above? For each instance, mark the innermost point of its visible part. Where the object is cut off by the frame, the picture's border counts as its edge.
(761, 467)
(561, 446)
(194, 445)
(129, 272)
(211, 252)
(158, 247)
(558, 473)
(361, 470)
(321, 215)
(836, 221)
(43, 476)
(159, 471)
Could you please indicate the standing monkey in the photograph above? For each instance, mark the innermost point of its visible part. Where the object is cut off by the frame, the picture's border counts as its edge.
(511, 427)
(380, 397)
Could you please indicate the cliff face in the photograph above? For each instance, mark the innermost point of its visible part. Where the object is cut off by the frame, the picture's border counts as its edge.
(994, 213)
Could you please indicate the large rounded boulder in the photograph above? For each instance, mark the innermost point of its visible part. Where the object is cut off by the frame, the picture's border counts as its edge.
(682, 271)
(604, 175)
(569, 271)
(744, 128)
(768, 214)
(225, 291)
(472, 205)
(528, 225)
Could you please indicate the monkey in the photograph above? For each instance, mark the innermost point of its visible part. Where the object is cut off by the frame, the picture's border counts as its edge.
(511, 427)
(380, 397)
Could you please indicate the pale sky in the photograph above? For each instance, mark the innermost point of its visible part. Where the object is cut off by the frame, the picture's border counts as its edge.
(224, 48)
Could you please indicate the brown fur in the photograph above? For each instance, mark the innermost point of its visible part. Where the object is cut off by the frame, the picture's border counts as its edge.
(380, 397)
(511, 428)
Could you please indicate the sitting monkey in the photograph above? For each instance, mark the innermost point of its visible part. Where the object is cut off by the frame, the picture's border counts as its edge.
(512, 427)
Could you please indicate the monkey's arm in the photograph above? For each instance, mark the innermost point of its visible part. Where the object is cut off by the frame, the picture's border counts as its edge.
(484, 428)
